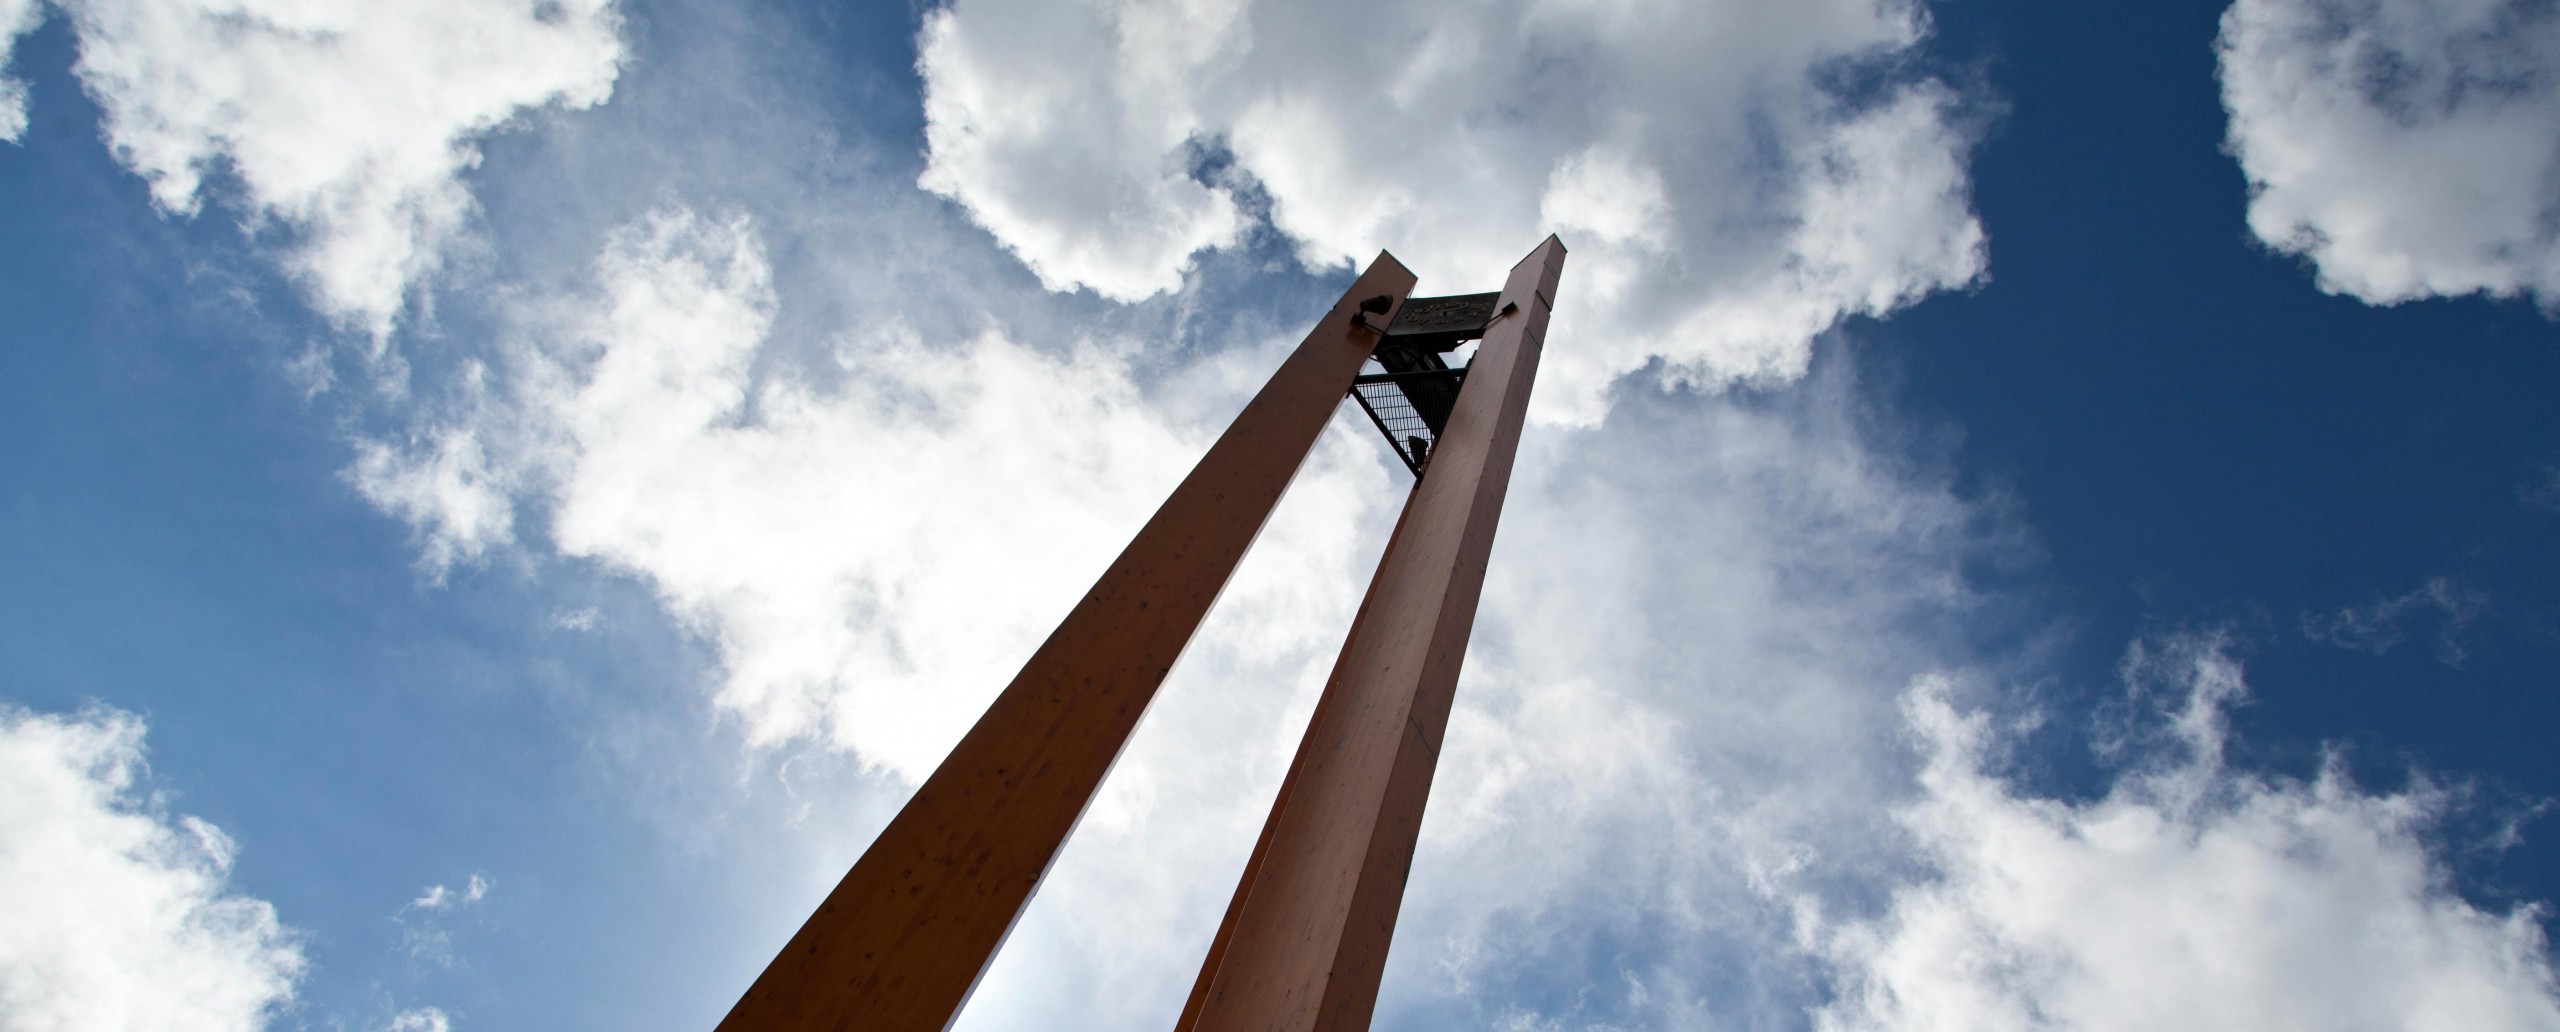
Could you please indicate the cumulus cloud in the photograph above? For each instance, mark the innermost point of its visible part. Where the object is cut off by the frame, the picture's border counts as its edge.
(789, 521)
(2190, 895)
(1679, 711)
(1030, 150)
(1684, 785)
(118, 915)
(1674, 784)
(1701, 609)
(2406, 148)
(1681, 699)
(872, 555)
(348, 124)
(1725, 199)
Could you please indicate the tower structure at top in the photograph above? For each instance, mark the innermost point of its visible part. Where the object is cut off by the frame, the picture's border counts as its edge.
(902, 940)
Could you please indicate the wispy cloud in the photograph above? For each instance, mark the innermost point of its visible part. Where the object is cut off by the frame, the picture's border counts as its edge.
(424, 931)
(439, 897)
(2267, 902)
(2382, 624)
(2543, 491)
(17, 17)
(422, 1019)
(581, 619)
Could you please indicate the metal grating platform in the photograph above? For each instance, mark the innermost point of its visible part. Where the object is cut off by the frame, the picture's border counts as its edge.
(1410, 403)
(1410, 409)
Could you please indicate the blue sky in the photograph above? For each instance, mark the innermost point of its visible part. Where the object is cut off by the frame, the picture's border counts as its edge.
(2028, 505)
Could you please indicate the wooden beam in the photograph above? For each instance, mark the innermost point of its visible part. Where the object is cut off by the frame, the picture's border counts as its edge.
(1305, 938)
(903, 939)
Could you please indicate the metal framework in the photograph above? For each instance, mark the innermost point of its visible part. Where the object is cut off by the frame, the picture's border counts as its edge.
(902, 940)
(1411, 402)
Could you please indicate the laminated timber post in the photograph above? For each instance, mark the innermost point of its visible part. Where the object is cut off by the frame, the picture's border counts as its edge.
(1305, 938)
(902, 940)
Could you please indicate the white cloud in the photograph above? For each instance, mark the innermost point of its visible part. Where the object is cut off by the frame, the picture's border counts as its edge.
(423, 931)
(1676, 749)
(1724, 206)
(1699, 608)
(118, 915)
(442, 482)
(348, 123)
(873, 529)
(861, 552)
(439, 897)
(17, 18)
(2407, 148)
(1680, 745)
(1680, 710)
(1682, 730)
(2382, 624)
(1045, 162)
(2190, 895)
(867, 554)
(423, 1019)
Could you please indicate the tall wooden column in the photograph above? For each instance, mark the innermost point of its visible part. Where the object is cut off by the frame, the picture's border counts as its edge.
(1305, 939)
(900, 943)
